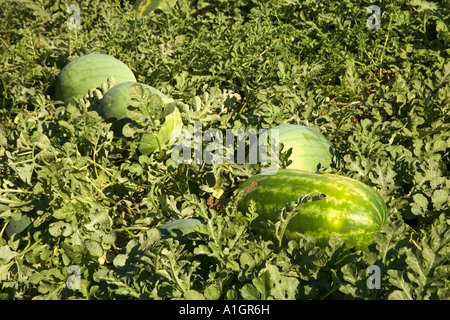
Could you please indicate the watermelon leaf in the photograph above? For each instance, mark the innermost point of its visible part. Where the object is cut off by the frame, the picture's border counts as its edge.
(285, 214)
(150, 142)
(145, 7)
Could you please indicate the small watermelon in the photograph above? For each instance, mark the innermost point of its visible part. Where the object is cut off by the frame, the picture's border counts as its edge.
(311, 150)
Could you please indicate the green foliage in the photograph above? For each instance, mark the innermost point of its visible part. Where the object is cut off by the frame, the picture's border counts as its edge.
(380, 96)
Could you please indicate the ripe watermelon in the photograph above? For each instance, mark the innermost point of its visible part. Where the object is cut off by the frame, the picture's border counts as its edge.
(88, 72)
(114, 103)
(351, 209)
(310, 149)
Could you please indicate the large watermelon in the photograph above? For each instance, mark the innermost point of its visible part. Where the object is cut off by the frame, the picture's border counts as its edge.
(89, 72)
(350, 208)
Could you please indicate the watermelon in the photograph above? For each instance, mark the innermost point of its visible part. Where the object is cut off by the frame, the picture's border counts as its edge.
(113, 107)
(311, 151)
(89, 72)
(349, 208)
(114, 103)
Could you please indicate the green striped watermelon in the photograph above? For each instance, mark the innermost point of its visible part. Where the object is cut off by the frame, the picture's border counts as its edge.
(310, 149)
(89, 72)
(114, 103)
(114, 108)
(351, 209)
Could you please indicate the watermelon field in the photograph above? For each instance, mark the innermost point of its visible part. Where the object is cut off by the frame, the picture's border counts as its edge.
(224, 150)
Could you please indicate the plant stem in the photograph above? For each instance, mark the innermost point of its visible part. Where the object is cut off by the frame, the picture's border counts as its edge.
(15, 203)
(127, 230)
(15, 191)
